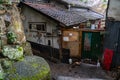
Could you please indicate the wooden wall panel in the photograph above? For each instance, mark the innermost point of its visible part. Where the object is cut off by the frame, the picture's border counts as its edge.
(74, 42)
(74, 49)
(72, 35)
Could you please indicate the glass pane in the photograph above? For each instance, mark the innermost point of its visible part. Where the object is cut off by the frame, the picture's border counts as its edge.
(30, 26)
(39, 27)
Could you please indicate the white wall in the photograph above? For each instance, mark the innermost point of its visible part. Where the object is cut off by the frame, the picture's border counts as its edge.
(33, 16)
(114, 9)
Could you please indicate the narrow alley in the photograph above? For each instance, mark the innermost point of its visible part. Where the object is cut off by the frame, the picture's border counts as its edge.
(59, 40)
(83, 71)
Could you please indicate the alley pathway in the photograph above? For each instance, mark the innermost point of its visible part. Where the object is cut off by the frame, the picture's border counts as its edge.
(62, 71)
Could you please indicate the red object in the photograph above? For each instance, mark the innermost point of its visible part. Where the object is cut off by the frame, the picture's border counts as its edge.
(107, 59)
(99, 24)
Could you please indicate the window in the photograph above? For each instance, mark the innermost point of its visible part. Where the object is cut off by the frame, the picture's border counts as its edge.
(37, 26)
(49, 42)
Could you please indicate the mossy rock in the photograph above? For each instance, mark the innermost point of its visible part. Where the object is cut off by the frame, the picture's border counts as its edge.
(31, 68)
(27, 49)
(13, 52)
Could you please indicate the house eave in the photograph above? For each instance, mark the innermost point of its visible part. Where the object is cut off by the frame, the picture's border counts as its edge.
(41, 12)
(59, 22)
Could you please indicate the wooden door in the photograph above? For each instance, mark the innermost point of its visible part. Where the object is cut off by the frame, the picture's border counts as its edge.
(71, 40)
(91, 45)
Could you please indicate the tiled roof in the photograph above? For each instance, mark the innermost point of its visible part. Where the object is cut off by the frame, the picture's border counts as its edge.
(88, 14)
(66, 17)
(35, 1)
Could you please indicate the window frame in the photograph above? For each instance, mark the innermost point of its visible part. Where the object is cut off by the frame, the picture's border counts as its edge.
(33, 27)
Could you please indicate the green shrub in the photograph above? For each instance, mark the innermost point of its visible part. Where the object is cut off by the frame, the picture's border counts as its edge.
(11, 37)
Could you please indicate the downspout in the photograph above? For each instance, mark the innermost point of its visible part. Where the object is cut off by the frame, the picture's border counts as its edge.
(106, 21)
(108, 4)
(61, 46)
(52, 46)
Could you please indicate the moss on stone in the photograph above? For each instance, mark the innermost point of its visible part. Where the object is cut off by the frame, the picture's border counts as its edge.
(35, 65)
(27, 49)
(31, 68)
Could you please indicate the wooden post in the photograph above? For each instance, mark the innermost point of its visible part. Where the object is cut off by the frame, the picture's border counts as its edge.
(60, 46)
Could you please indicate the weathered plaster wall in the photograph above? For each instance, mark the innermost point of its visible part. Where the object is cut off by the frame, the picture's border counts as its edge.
(33, 16)
(114, 9)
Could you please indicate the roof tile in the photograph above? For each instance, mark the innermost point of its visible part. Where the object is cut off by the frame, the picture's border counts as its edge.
(65, 17)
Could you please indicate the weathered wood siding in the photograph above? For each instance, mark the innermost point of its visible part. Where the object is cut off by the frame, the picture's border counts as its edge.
(71, 39)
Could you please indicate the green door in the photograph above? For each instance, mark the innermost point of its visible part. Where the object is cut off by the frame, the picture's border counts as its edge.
(91, 44)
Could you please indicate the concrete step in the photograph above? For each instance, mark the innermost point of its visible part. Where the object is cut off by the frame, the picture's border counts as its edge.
(71, 78)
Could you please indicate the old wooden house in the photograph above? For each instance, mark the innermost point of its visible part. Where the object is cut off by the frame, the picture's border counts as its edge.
(60, 30)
